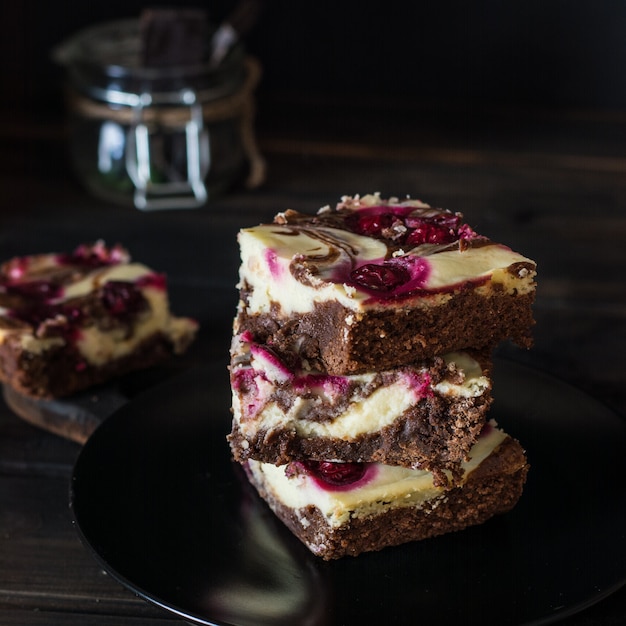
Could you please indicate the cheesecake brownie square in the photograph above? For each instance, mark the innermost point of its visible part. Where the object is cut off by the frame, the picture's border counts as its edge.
(424, 415)
(70, 321)
(376, 283)
(345, 509)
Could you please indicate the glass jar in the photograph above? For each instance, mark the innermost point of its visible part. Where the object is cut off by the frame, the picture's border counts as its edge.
(158, 137)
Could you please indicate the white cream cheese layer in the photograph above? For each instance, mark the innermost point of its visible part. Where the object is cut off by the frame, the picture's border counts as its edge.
(455, 267)
(390, 486)
(474, 383)
(98, 347)
(129, 272)
(32, 344)
(267, 253)
(380, 409)
(362, 415)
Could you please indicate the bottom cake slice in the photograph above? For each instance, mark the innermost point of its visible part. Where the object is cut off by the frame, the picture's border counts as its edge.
(344, 509)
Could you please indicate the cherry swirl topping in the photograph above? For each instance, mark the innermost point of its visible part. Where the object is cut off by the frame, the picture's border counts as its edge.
(40, 290)
(390, 277)
(122, 299)
(407, 225)
(410, 234)
(380, 277)
(32, 289)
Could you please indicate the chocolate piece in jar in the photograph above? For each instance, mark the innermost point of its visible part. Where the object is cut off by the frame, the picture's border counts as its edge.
(173, 37)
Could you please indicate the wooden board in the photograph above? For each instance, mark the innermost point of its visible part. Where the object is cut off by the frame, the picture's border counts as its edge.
(73, 418)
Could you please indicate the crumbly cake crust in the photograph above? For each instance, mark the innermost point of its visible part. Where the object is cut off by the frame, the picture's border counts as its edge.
(491, 489)
(333, 338)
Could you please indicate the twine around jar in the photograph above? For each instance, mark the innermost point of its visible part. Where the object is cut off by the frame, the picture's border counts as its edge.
(240, 104)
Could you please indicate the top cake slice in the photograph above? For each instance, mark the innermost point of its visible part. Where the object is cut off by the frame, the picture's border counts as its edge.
(70, 321)
(375, 284)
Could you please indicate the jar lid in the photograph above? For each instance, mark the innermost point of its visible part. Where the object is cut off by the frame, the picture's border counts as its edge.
(109, 56)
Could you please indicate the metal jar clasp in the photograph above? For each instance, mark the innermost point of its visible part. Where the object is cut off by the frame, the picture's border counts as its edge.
(150, 194)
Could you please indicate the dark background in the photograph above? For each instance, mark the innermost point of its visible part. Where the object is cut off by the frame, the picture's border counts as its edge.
(535, 53)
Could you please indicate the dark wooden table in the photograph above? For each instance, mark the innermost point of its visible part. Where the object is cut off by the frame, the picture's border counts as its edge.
(550, 184)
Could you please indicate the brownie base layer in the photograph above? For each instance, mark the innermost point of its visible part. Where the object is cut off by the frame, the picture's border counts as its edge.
(434, 435)
(491, 489)
(340, 341)
(61, 371)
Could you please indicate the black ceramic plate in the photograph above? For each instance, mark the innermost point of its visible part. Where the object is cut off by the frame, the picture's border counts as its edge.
(155, 496)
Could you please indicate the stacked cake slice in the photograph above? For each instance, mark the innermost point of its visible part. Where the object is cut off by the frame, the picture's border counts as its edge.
(360, 372)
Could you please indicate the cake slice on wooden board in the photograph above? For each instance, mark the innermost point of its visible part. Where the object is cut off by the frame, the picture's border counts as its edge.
(70, 321)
